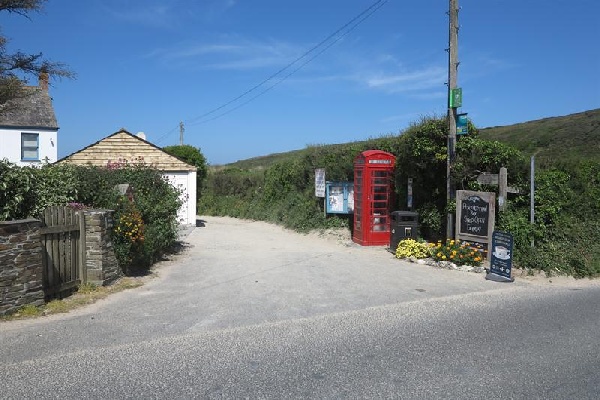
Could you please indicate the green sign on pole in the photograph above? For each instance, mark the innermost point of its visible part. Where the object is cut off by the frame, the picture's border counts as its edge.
(462, 124)
(455, 97)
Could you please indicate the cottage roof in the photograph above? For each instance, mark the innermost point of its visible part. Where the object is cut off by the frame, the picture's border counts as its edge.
(31, 111)
(125, 147)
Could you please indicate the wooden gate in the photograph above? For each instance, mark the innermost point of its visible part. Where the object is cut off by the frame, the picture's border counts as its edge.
(63, 240)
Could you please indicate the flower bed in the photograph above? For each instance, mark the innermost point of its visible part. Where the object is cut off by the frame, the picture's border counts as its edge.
(452, 254)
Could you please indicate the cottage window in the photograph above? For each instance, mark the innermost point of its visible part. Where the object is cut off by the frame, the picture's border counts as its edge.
(30, 146)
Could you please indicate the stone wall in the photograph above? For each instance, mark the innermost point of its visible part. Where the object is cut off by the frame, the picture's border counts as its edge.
(101, 263)
(21, 252)
(21, 281)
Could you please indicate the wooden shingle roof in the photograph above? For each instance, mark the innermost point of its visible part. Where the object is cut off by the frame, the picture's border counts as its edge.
(125, 147)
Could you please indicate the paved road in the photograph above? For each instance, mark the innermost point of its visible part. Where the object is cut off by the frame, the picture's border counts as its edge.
(255, 311)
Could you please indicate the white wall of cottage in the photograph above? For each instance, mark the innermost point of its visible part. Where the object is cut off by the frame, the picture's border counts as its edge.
(10, 145)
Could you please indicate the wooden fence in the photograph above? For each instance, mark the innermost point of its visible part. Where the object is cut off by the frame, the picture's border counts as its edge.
(63, 260)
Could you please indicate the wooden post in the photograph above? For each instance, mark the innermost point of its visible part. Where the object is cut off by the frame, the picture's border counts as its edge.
(82, 247)
(502, 188)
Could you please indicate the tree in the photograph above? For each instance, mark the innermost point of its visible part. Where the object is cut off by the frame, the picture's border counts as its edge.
(15, 67)
(192, 156)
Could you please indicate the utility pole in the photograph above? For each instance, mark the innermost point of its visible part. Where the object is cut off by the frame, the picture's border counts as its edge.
(181, 130)
(452, 105)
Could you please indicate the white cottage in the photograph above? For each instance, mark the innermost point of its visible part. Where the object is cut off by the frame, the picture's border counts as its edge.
(123, 146)
(28, 127)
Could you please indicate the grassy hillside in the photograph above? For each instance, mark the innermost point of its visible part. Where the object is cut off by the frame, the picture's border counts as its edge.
(261, 162)
(565, 138)
(575, 136)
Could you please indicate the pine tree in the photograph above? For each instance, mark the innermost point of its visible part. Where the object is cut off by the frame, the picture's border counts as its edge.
(16, 67)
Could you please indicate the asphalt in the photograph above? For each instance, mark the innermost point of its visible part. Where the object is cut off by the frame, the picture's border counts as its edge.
(250, 310)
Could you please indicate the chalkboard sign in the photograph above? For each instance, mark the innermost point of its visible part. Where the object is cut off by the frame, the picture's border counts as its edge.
(475, 216)
(502, 253)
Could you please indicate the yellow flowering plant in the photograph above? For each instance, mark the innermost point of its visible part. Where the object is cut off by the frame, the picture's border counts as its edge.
(130, 226)
(459, 253)
(411, 248)
(128, 233)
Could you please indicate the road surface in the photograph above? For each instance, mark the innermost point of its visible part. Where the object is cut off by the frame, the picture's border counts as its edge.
(254, 311)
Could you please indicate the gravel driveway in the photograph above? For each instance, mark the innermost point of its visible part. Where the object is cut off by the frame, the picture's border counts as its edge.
(237, 273)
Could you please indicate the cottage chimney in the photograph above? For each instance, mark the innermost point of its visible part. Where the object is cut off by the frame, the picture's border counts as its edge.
(43, 80)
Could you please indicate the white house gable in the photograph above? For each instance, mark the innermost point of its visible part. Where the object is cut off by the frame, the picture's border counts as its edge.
(28, 127)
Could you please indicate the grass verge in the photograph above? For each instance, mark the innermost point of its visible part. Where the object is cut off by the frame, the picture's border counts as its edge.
(85, 295)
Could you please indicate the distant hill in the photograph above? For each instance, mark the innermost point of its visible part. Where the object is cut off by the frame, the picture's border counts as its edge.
(570, 137)
(566, 138)
(260, 162)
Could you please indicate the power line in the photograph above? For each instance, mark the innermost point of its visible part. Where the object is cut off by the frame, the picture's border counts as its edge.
(351, 25)
(380, 2)
(293, 71)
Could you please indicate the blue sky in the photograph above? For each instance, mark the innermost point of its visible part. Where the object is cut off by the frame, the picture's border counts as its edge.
(146, 65)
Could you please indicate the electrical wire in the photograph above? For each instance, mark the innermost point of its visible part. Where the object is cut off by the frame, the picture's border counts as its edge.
(288, 75)
(346, 29)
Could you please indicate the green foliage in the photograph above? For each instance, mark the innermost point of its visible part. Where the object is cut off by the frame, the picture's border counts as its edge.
(15, 188)
(154, 198)
(128, 234)
(283, 178)
(26, 191)
(422, 156)
(459, 253)
(432, 221)
(192, 156)
(411, 248)
(566, 232)
(55, 184)
(475, 156)
(280, 188)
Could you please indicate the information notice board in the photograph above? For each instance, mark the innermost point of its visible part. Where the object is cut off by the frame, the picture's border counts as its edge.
(475, 216)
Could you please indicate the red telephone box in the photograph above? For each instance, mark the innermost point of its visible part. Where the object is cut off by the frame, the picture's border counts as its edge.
(373, 197)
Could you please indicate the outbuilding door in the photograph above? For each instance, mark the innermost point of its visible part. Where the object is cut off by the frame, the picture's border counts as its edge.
(181, 182)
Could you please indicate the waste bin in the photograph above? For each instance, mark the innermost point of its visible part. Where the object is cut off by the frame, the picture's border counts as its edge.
(403, 225)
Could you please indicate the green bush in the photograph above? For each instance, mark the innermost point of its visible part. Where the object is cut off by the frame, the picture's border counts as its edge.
(566, 230)
(154, 198)
(26, 191)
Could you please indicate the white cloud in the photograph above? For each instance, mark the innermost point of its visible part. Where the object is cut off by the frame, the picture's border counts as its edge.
(424, 79)
(435, 95)
(157, 15)
(166, 13)
(230, 54)
(400, 118)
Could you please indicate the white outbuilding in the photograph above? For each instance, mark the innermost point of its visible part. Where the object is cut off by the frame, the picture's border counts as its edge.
(123, 147)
